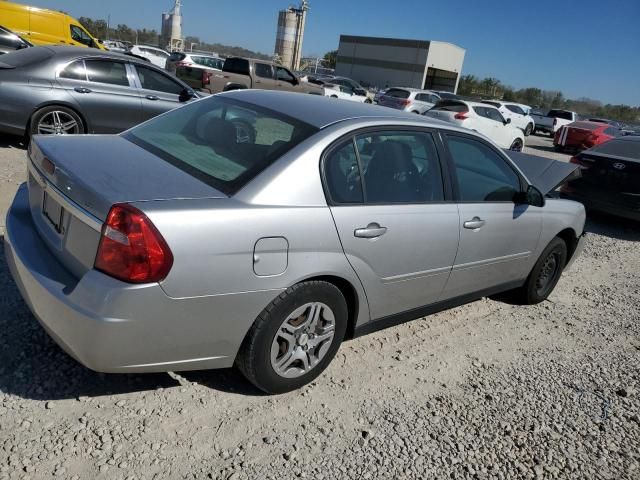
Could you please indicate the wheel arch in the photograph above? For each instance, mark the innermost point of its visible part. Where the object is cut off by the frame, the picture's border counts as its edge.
(234, 86)
(570, 238)
(68, 105)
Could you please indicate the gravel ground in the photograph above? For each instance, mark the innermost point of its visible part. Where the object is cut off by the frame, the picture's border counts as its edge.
(487, 390)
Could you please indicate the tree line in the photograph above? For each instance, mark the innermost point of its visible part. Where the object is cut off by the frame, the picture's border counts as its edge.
(473, 86)
(100, 29)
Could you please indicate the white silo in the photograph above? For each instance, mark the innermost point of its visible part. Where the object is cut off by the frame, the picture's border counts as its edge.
(171, 32)
(290, 34)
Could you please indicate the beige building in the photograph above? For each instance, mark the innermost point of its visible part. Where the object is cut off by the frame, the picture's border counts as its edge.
(394, 62)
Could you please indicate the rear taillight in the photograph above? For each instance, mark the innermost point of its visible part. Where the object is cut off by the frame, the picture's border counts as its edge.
(131, 248)
(405, 103)
(206, 77)
(583, 165)
(461, 115)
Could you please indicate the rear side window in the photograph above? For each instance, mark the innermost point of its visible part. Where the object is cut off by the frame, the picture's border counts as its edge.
(516, 109)
(342, 174)
(483, 175)
(150, 79)
(106, 71)
(494, 114)
(451, 106)
(74, 71)
(612, 131)
(221, 141)
(397, 93)
(264, 70)
(495, 104)
(237, 65)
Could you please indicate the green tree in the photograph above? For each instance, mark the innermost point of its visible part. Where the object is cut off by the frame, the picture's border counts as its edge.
(330, 59)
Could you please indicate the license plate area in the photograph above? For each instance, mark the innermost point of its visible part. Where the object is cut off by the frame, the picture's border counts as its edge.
(53, 212)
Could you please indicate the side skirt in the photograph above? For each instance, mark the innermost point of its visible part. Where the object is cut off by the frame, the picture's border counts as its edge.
(416, 313)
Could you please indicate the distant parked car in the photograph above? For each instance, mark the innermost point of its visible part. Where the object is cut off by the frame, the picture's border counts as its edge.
(482, 118)
(409, 99)
(519, 118)
(358, 89)
(613, 123)
(583, 135)
(378, 94)
(180, 247)
(184, 59)
(553, 120)
(10, 42)
(155, 55)
(444, 95)
(610, 180)
(87, 91)
(115, 46)
(340, 91)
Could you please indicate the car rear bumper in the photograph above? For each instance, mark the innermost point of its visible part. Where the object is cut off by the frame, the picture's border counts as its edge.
(616, 209)
(111, 326)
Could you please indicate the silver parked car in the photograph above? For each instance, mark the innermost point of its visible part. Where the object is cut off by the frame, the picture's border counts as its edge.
(409, 99)
(181, 245)
(70, 90)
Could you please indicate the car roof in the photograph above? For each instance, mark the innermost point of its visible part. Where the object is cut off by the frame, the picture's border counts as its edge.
(320, 111)
(62, 51)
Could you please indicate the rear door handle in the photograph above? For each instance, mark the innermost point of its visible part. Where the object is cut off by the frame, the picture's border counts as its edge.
(152, 97)
(474, 224)
(82, 90)
(372, 230)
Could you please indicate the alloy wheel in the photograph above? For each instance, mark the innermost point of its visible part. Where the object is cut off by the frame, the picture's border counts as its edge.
(547, 273)
(303, 340)
(58, 123)
(516, 146)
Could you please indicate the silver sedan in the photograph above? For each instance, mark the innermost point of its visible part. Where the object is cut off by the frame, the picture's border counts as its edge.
(261, 229)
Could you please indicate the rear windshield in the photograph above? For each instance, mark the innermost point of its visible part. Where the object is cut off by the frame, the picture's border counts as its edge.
(177, 56)
(397, 93)
(628, 148)
(451, 106)
(495, 104)
(222, 142)
(560, 114)
(585, 125)
(27, 56)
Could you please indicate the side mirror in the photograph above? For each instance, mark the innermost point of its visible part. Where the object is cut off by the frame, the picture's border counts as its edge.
(532, 196)
(187, 94)
(507, 121)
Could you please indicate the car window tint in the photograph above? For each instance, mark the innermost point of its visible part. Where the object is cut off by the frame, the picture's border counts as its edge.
(433, 99)
(483, 175)
(151, 79)
(494, 114)
(516, 109)
(421, 97)
(9, 40)
(106, 71)
(74, 71)
(284, 75)
(400, 167)
(452, 106)
(342, 175)
(481, 111)
(80, 36)
(264, 70)
(397, 93)
(221, 141)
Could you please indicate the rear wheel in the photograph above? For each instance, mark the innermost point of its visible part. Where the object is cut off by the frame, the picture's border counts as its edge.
(56, 120)
(517, 145)
(368, 100)
(294, 338)
(529, 130)
(545, 274)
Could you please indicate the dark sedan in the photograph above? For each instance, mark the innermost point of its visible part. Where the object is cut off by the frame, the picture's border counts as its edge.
(70, 90)
(610, 180)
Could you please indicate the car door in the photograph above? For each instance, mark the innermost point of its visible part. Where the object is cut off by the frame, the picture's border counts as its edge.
(497, 236)
(104, 92)
(264, 76)
(158, 91)
(285, 80)
(502, 131)
(397, 225)
(482, 123)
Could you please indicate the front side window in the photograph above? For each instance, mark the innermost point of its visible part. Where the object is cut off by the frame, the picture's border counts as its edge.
(342, 174)
(79, 35)
(400, 167)
(284, 75)
(74, 71)
(494, 114)
(221, 141)
(264, 70)
(483, 175)
(151, 79)
(106, 71)
(516, 109)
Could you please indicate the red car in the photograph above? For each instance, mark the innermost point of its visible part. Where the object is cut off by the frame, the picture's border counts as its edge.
(583, 135)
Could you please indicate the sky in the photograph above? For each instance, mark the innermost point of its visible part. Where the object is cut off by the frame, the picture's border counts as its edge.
(585, 48)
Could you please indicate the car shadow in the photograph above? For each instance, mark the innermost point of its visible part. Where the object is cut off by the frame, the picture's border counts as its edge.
(32, 366)
(612, 226)
(13, 141)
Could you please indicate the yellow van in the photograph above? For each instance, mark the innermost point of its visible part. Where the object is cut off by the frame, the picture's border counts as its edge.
(45, 27)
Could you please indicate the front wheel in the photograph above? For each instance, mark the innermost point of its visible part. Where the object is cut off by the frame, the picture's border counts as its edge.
(517, 145)
(56, 120)
(368, 100)
(529, 130)
(294, 338)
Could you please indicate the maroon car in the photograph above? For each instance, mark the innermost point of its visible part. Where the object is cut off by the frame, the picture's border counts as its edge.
(583, 135)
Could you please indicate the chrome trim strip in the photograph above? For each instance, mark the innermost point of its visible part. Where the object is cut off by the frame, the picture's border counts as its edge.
(411, 276)
(173, 362)
(69, 205)
(490, 261)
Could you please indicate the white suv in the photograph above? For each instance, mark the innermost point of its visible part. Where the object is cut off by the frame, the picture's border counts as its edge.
(409, 99)
(519, 117)
(482, 118)
(155, 55)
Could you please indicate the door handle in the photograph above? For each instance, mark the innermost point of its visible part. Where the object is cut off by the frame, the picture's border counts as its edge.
(82, 90)
(152, 97)
(372, 230)
(474, 224)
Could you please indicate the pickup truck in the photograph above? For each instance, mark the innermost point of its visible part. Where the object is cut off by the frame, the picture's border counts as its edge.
(240, 73)
(552, 121)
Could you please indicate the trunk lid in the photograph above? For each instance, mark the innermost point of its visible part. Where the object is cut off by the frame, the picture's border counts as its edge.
(74, 180)
(575, 135)
(544, 173)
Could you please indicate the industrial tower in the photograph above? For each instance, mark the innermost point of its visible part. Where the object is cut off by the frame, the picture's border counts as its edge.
(290, 35)
(171, 32)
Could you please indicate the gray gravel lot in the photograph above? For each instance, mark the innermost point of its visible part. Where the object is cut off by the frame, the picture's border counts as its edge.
(487, 390)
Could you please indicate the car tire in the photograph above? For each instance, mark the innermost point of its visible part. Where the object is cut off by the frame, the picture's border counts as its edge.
(334, 96)
(545, 274)
(265, 355)
(528, 130)
(517, 145)
(55, 120)
(368, 100)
